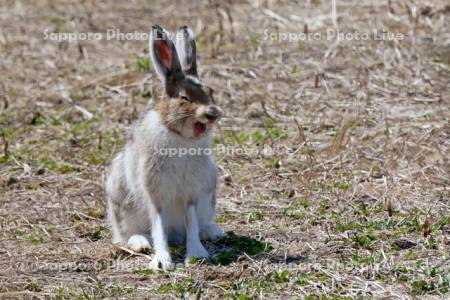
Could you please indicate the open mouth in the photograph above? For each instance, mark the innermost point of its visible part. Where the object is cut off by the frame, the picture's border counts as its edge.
(199, 129)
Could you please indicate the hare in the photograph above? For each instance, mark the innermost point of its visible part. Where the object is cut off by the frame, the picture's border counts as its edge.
(158, 189)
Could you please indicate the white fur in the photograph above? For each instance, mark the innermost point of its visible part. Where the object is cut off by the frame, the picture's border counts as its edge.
(177, 200)
(159, 236)
(211, 231)
(182, 50)
(138, 242)
(153, 194)
(194, 247)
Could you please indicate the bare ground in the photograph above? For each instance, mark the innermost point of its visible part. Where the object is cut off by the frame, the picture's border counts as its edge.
(349, 199)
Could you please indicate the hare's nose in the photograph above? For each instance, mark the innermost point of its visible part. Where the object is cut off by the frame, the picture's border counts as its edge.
(213, 113)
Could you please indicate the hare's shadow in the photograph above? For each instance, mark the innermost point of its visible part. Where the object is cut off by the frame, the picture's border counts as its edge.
(232, 247)
(229, 248)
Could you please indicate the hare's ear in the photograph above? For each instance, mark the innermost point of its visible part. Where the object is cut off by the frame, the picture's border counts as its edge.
(187, 50)
(165, 59)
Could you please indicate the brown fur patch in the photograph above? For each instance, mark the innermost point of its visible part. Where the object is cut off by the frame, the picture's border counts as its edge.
(177, 109)
(174, 112)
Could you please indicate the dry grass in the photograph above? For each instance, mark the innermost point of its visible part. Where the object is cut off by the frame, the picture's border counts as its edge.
(359, 206)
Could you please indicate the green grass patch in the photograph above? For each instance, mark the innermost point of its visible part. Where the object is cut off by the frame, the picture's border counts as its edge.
(183, 288)
(143, 64)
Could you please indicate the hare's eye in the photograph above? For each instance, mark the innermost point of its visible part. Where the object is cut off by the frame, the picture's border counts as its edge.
(185, 98)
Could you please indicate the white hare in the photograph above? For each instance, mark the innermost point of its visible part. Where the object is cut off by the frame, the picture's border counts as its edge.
(157, 186)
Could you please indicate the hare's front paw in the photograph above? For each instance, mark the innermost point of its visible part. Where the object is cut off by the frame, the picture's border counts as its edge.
(197, 251)
(161, 261)
(138, 242)
(211, 231)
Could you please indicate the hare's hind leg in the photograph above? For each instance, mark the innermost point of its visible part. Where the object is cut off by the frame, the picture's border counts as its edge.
(124, 232)
(114, 221)
(138, 242)
(128, 217)
(116, 193)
